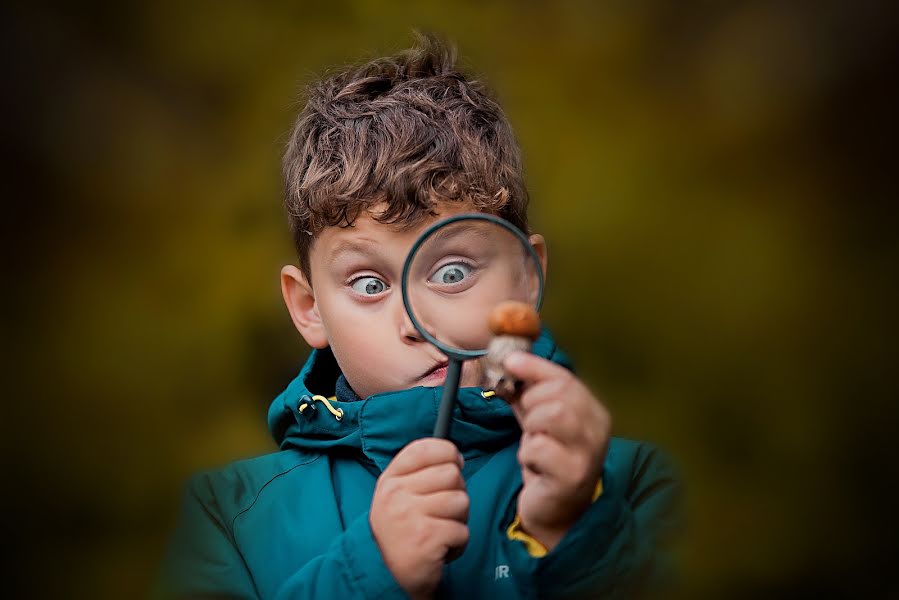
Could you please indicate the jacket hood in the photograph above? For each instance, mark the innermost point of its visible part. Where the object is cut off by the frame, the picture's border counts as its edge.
(382, 424)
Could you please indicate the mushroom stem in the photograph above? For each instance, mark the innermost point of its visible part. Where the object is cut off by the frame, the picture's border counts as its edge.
(495, 377)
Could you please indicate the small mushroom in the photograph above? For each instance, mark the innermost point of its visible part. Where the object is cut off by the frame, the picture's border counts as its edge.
(515, 326)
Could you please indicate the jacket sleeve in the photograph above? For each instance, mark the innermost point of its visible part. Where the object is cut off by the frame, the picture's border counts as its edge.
(204, 560)
(351, 568)
(619, 546)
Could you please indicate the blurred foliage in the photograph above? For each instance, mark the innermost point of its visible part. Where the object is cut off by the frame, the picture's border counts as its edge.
(712, 178)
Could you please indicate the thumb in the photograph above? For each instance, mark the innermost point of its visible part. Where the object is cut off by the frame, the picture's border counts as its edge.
(531, 368)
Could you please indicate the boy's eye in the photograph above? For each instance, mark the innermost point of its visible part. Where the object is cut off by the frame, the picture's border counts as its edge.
(451, 273)
(368, 286)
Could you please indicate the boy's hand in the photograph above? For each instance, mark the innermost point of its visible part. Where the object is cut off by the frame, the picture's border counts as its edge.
(565, 435)
(419, 513)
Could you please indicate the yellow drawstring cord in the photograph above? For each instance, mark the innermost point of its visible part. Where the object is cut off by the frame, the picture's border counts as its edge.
(337, 412)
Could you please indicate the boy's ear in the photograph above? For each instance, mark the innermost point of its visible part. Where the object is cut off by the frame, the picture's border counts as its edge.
(300, 300)
(539, 245)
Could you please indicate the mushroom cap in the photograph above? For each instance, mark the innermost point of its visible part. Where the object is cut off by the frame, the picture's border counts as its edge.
(515, 318)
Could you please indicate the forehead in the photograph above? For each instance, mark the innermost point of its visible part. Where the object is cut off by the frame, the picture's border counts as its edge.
(364, 236)
(368, 235)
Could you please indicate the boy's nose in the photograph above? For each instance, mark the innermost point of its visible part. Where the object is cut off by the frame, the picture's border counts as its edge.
(408, 331)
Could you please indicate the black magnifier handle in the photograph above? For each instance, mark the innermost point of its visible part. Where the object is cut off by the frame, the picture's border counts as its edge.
(448, 401)
(445, 418)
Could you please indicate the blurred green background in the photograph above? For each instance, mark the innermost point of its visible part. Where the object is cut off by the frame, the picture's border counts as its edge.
(713, 180)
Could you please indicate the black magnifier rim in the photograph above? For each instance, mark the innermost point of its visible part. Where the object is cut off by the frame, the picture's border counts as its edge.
(407, 267)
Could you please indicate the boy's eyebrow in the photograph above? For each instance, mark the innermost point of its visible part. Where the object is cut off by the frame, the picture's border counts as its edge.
(358, 245)
(479, 230)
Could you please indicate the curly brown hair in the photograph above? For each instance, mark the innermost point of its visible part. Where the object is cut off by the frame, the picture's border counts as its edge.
(409, 131)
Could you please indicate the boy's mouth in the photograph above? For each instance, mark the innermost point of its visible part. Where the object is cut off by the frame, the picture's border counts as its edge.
(438, 371)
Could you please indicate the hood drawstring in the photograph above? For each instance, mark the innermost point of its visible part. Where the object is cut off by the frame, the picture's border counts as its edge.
(307, 407)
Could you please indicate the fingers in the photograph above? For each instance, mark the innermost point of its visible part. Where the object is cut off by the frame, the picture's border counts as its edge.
(452, 533)
(546, 390)
(424, 453)
(531, 368)
(545, 380)
(445, 539)
(419, 513)
(456, 533)
(436, 478)
(453, 505)
(565, 428)
(557, 419)
(559, 404)
(542, 455)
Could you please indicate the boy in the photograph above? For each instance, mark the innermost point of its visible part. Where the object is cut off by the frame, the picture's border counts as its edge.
(529, 500)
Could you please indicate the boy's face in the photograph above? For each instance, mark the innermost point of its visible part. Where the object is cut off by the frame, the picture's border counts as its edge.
(356, 305)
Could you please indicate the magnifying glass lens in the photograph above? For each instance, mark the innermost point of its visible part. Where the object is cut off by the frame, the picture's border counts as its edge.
(460, 272)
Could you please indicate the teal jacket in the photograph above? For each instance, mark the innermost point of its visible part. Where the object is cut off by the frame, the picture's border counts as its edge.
(294, 524)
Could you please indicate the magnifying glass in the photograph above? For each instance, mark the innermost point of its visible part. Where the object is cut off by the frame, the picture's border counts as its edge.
(456, 273)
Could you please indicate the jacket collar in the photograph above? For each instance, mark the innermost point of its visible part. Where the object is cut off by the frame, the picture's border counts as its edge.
(382, 424)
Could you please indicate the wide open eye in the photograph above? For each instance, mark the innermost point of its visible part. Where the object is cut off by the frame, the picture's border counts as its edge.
(368, 286)
(451, 274)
